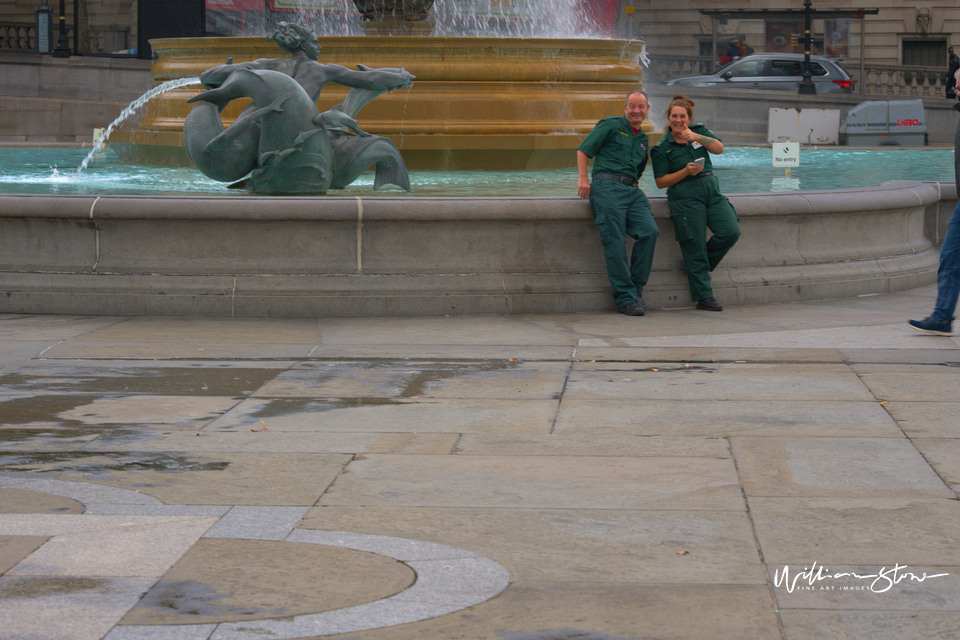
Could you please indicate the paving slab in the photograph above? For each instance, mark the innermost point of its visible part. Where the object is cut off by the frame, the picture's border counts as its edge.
(868, 625)
(921, 387)
(65, 608)
(162, 350)
(265, 440)
(451, 330)
(591, 445)
(538, 481)
(50, 329)
(396, 415)
(25, 501)
(493, 379)
(21, 351)
(597, 611)
(230, 331)
(855, 337)
(706, 354)
(623, 547)
(721, 382)
(821, 467)
(857, 531)
(233, 580)
(869, 588)
(719, 418)
(419, 351)
(52, 378)
(927, 419)
(943, 456)
(13, 549)
(104, 546)
(210, 479)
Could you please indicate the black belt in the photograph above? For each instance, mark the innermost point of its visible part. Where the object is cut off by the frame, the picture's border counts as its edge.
(612, 176)
(701, 174)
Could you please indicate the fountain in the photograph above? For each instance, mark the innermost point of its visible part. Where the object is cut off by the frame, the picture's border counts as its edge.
(476, 102)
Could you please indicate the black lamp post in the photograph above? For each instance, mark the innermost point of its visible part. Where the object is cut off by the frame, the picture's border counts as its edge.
(806, 85)
(62, 50)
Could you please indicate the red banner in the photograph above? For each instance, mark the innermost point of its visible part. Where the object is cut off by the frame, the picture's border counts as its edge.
(236, 5)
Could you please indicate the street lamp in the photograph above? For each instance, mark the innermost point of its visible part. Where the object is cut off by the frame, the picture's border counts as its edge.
(62, 49)
(807, 87)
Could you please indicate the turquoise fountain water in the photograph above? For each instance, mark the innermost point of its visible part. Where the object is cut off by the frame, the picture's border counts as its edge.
(740, 169)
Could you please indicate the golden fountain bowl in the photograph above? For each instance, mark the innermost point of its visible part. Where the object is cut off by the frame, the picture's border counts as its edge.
(476, 103)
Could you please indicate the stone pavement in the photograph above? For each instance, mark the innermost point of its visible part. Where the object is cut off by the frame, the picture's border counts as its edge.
(762, 473)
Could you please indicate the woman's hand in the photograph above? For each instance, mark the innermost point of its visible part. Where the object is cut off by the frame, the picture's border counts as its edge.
(693, 168)
(688, 135)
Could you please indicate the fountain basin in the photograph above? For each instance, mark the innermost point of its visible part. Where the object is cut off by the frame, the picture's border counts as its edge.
(386, 256)
(476, 103)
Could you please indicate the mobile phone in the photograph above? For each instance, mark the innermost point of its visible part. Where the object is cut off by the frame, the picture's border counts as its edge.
(700, 162)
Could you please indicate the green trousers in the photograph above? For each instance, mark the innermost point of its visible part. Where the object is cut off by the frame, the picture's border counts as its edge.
(695, 206)
(621, 211)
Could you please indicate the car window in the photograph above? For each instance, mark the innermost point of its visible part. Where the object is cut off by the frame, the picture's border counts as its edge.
(747, 69)
(817, 69)
(784, 68)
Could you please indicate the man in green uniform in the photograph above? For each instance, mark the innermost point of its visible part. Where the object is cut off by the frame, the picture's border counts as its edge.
(619, 150)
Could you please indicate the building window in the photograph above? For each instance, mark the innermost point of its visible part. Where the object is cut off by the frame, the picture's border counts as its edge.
(925, 53)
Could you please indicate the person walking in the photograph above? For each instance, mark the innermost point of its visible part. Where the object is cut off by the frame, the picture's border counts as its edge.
(619, 149)
(681, 164)
(940, 322)
(953, 64)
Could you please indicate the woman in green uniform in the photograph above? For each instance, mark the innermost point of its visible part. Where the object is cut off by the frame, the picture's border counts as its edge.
(693, 194)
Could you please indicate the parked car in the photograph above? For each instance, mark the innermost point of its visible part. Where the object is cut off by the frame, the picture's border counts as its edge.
(776, 71)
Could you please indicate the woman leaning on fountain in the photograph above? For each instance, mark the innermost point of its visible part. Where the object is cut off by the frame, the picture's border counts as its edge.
(681, 163)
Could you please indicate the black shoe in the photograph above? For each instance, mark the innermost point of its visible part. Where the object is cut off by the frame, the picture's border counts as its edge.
(634, 308)
(709, 304)
(929, 325)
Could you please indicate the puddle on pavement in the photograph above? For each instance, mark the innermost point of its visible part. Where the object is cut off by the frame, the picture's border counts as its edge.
(96, 463)
(562, 634)
(106, 379)
(278, 407)
(35, 587)
(413, 378)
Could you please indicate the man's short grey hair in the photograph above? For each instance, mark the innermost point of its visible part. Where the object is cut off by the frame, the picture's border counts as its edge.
(635, 93)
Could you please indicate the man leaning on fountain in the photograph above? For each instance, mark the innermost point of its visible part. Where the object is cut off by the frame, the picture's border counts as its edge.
(619, 149)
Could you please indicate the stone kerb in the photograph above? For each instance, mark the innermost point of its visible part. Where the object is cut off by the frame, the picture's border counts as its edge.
(334, 256)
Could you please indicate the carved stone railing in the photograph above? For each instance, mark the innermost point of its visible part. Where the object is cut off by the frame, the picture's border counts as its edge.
(898, 81)
(16, 36)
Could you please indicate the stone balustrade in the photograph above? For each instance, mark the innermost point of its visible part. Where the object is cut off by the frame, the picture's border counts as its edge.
(18, 37)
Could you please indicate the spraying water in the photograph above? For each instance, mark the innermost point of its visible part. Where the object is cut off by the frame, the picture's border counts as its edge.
(130, 110)
(457, 18)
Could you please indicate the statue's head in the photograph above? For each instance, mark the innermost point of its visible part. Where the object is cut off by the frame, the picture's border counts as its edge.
(293, 37)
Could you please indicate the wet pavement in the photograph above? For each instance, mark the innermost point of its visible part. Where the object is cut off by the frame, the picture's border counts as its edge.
(769, 472)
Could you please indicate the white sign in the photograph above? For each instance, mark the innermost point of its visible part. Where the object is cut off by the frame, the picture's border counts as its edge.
(786, 154)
